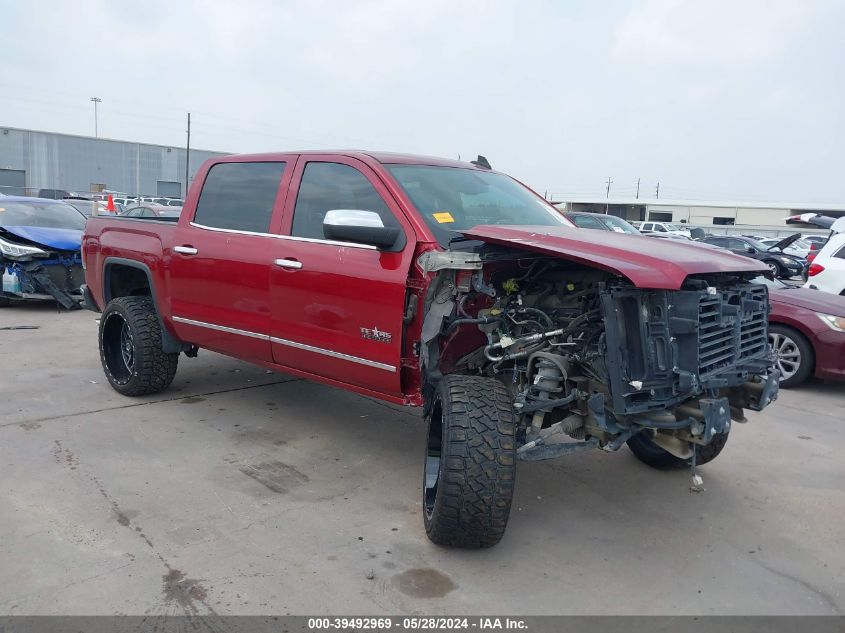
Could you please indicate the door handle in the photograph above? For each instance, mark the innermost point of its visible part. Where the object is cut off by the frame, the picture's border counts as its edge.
(288, 263)
(185, 250)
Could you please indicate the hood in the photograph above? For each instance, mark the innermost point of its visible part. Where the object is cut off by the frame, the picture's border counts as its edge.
(813, 219)
(815, 300)
(60, 239)
(785, 242)
(648, 264)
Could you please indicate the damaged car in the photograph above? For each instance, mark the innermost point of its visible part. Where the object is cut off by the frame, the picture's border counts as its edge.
(40, 242)
(446, 285)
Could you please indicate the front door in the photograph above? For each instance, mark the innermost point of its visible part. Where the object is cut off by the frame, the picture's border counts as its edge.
(219, 267)
(337, 307)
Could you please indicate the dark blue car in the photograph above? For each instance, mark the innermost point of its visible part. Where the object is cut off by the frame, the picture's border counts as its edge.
(40, 243)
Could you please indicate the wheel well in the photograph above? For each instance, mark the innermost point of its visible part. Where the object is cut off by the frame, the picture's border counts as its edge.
(127, 281)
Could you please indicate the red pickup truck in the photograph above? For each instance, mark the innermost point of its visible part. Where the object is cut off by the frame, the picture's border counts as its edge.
(447, 285)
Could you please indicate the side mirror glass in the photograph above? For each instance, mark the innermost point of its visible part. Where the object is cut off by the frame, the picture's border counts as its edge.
(361, 227)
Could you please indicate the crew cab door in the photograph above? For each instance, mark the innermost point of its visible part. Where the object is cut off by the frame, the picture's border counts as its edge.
(220, 261)
(337, 307)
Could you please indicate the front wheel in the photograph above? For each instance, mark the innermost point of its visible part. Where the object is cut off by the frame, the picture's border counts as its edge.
(775, 268)
(130, 347)
(794, 355)
(470, 462)
(648, 452)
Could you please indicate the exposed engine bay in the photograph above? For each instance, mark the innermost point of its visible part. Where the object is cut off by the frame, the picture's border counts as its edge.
(588, 356)
(35, 271)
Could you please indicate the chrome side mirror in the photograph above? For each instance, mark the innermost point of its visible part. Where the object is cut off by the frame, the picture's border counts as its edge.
(361, 227)
(352, 217)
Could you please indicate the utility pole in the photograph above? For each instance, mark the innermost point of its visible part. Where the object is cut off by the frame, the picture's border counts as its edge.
(188, 155)
(608, 182)
(96, 100)
(657, 191)
(638, 188)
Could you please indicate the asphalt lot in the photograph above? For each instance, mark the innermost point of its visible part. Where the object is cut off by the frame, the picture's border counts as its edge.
(239, 491)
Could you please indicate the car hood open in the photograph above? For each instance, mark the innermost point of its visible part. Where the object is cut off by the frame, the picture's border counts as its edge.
(785, 242)
(647, 263)
(60, 239)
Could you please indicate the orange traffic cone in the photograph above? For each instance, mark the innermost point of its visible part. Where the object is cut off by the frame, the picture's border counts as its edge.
(110, 205)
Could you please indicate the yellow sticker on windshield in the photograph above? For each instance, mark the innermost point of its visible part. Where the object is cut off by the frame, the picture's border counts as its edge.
(443, 217)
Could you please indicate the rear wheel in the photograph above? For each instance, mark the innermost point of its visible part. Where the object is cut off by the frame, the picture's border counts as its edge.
(644, 448)
(795, 357)
(470, 462)
(130, 347)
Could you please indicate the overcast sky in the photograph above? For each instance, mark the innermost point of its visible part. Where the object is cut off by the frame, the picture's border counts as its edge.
(715, 100)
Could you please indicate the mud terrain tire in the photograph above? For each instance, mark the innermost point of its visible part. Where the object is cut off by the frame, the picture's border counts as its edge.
(470, 464)
(130, 347)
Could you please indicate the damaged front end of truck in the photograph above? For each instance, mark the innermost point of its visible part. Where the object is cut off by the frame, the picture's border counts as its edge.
(600, 345)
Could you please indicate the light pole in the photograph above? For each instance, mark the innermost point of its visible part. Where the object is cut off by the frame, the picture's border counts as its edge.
(96, 100)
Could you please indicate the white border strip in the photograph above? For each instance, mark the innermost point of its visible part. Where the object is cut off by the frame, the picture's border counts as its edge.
(221, 328)
(328, 352)
(281, 341)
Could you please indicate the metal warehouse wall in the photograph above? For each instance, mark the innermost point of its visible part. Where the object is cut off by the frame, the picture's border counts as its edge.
(81, 163)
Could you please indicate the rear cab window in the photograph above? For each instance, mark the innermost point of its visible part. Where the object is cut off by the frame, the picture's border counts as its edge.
(239, 196)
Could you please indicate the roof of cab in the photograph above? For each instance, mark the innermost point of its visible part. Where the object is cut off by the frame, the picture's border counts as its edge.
(385, 158)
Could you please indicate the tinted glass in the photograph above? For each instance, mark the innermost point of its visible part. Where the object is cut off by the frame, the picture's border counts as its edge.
(239, 196)
(453, 199)
(585, 222)
(57, 215)
(327, 186)
(618, 224)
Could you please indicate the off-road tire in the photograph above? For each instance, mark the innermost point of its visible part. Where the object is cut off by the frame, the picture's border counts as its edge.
(152, 369)
(807, 356)
(471, 428)
(650, 453)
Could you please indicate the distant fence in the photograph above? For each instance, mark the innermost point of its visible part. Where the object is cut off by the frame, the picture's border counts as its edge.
(57, 193)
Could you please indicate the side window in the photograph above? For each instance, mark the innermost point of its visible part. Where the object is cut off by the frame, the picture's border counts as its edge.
(586, 222)
(239, 196)
(660, 228)
(646, 227)
(327, 186)
(840, 254)
(737, 245)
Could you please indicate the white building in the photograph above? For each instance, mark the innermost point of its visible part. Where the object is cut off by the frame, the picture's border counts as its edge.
(699, 213)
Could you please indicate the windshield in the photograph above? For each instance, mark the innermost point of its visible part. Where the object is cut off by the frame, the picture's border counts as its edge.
(757, 246)
(617, 224)
(771, 283)
(452, 199)
(56, 215)
(85, 207)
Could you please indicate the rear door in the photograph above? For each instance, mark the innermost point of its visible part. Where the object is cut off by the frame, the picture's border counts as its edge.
(337, 307)
(220, 262)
